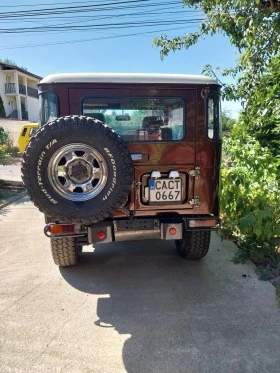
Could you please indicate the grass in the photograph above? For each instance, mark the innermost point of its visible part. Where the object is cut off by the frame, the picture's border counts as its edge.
(4, 193)
(8, 192)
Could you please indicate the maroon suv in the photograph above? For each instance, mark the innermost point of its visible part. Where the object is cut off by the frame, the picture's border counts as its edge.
(125, 157)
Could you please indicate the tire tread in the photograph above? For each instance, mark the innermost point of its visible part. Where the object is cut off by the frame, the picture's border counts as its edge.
(194, 245)
(64, 251)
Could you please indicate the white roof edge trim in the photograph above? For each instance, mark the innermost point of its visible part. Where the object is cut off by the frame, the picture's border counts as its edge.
(127, 78)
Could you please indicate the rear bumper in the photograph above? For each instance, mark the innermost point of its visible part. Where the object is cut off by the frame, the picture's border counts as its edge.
(116, 232)
(166, 228)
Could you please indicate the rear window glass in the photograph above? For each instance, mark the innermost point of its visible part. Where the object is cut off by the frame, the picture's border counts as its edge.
(140, 118)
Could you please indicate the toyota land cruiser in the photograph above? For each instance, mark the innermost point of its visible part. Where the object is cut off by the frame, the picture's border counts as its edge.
(126, 157)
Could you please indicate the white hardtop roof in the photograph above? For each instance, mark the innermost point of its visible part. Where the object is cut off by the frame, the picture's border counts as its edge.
(127, 78)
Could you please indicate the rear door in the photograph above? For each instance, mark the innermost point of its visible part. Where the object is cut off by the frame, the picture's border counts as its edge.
(162, 179)
(162, 143)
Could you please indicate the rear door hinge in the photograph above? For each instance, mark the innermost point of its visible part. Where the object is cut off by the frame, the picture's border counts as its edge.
(136, 184)
(194, 201)
(127, 212)
(195, 173)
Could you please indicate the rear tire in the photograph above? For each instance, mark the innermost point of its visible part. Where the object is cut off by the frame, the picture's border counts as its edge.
(194, 245)
(65, 251)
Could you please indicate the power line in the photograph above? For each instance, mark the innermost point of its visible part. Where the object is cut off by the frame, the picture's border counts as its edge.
(68, 9)
(48, 4)
(91, 39)
(102, 26)
(147, 12)
(142, 14)
(141, 18)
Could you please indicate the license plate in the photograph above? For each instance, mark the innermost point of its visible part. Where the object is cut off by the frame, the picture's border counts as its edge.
(165, 190)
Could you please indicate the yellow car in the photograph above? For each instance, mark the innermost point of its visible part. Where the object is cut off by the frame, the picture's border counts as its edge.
(26, 132)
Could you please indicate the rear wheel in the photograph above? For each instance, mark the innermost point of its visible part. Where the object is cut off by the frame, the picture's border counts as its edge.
(194, 245)
(65, 251)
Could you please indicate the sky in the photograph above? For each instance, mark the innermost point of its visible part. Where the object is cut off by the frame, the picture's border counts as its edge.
(106, 36)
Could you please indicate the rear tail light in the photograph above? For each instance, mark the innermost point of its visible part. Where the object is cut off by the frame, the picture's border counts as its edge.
(172, 231)
(101, 235)
(201, 223)
(60, 230)
(57, 229)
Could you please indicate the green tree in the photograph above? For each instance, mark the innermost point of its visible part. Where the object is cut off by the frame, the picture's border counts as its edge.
(253, 30)
(268, 5)
(250, 173)
(2, 109)
(262, 114)
(7, 61)
(253, 27)
(227, 121)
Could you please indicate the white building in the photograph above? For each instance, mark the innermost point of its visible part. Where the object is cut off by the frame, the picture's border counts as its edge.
(19, 92)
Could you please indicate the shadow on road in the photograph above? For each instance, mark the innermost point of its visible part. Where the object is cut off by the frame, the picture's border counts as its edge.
(18, 200)
(161, 300)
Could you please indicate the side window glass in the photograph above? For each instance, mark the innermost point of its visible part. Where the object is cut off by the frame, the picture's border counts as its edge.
(32, 131)
(24, 132)
(48, 107)
(213, 116)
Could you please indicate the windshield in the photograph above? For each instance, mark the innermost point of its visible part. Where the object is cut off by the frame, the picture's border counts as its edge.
(140, 118)
(48, 107)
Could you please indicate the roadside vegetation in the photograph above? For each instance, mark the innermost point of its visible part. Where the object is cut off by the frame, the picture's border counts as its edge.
(7, 149)
(5, 142)
(2, 109)
(250, 193)
(10, 62)
(7, 152)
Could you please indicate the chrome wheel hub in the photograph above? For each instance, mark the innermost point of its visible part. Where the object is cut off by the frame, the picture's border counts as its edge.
(77, 172)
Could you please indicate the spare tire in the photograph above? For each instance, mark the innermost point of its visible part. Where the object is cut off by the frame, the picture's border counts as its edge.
(77, 169)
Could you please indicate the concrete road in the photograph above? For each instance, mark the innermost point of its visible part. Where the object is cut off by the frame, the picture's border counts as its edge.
(130, 307)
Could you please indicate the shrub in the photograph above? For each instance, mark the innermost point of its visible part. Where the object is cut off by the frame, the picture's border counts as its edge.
(250, 198)
(5, 141)
(2, 109)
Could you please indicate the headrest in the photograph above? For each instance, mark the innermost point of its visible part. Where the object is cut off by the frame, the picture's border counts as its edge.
(98, 116)
(152, 121)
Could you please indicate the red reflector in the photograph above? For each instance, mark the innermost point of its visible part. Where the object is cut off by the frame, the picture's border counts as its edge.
(60, 229)
(172, 231)
(101, 235)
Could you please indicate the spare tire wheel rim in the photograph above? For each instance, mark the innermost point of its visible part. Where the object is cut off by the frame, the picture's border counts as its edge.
(77, 172)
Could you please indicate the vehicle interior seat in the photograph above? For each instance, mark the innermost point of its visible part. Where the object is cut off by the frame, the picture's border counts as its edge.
(154, 126)
(99, 116)
(152, 122)
(166, 133)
